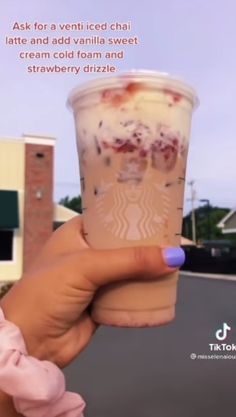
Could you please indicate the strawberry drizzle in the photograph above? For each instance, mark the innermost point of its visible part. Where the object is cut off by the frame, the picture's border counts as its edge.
(118, 97)
(176, 97)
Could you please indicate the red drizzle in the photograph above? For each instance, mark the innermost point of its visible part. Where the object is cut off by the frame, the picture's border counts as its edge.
(117, 97)
(133, 88)
(125, 147)
(176, 97)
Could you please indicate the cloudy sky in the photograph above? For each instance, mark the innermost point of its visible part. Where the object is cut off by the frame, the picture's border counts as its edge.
(191, 39)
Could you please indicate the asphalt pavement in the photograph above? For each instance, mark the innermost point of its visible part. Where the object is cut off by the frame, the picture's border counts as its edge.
(149, 372)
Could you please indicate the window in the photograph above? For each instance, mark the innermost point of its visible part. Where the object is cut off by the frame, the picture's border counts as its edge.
(6, 245)
(40, 155)
(9, 210)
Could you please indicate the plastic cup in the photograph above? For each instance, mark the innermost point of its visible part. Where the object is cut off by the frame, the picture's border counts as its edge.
(132, 134)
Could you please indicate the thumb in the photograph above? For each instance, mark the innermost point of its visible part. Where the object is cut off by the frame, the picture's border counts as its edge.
(100, 267)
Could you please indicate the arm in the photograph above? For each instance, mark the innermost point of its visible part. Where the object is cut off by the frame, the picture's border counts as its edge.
(63, 281)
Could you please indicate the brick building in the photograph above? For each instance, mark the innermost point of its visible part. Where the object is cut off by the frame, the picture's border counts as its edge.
(27, 211)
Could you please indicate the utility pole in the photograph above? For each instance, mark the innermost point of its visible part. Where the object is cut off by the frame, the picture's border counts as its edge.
(193, 217)
(207, 201)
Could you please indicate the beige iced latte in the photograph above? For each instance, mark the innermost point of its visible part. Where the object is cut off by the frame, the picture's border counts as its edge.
(132, 135)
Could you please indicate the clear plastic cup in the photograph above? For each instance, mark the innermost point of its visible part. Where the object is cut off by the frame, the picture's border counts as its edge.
(132, 135)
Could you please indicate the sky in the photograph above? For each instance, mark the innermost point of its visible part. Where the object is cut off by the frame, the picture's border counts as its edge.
(194, 40)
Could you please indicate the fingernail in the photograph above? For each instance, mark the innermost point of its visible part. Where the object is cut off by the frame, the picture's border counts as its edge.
(174, 257)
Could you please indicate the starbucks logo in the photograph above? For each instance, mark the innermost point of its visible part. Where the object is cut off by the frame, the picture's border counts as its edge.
(133, 211)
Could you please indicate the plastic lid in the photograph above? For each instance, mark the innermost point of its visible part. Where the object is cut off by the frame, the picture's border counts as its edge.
(152, 78)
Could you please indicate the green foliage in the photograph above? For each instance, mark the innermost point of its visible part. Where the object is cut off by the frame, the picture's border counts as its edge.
(74, 203)
(207, 218)
(232, 238)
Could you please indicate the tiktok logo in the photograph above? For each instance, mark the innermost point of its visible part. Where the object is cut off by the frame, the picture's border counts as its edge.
(221, 334)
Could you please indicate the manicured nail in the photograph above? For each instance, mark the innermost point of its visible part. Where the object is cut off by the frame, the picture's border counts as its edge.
(174, 257)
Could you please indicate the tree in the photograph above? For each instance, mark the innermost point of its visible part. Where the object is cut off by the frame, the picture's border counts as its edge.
(74, 203)
(207, 218)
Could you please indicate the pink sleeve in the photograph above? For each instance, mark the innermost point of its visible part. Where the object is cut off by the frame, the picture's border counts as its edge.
(37, 387)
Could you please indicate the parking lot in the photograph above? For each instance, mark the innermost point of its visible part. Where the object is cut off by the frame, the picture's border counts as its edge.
(149, 372)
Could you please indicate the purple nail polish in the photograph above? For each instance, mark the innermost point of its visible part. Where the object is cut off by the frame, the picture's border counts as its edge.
(174, 257)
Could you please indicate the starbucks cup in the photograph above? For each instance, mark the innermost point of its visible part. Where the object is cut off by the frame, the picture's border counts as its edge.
(132, 134)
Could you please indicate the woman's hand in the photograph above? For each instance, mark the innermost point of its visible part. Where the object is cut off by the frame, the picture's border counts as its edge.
(49, 304)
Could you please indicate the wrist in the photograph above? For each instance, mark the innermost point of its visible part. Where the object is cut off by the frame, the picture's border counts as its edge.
(35, 347)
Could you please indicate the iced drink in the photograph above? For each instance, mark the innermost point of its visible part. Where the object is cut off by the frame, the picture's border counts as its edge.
(132, 136)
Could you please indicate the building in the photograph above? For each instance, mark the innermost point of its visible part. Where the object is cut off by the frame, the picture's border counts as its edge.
(228, 223)
(27, 211)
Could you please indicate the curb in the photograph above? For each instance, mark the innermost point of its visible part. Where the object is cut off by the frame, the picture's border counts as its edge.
(208, 276)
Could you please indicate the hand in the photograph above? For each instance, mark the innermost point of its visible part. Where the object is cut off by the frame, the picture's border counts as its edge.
(49, 304)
